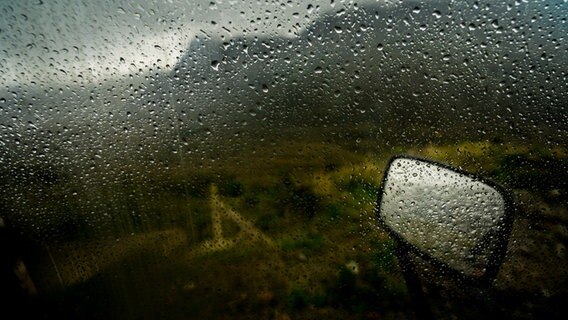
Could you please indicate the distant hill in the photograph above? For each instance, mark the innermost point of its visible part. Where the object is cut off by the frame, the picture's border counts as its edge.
(406, 71)
(432, 65)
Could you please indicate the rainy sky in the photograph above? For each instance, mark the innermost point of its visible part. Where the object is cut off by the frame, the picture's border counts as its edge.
(70, 41)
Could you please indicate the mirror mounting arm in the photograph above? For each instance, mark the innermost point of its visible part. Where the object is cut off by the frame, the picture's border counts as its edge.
(413, 283)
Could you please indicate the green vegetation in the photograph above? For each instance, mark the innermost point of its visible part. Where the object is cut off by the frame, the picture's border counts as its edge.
(298, 237)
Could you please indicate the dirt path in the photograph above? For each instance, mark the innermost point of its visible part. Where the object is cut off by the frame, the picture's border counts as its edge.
(78, 262)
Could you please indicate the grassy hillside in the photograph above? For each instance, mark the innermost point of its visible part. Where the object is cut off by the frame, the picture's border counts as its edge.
(286, 232)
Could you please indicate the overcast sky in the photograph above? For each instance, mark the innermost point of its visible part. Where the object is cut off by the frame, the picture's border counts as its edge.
(65, 41)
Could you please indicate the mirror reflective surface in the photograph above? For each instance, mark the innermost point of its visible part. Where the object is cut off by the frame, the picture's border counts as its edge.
(448, 215)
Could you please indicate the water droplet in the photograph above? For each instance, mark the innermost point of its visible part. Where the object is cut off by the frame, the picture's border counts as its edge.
(338, 29)
(310, 8)
(215, 65)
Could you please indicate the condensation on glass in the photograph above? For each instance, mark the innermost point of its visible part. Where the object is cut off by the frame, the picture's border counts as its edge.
(222, 159)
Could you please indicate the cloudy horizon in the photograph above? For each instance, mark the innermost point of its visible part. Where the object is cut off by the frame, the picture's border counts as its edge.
(80, 42)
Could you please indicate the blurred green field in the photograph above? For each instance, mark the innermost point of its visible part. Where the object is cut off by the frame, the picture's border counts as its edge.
(141, 241)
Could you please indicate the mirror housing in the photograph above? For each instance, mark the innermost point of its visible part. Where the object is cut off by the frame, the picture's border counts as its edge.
(455, 220)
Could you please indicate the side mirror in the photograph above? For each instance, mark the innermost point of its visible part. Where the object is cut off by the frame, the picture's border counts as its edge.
(453, 219)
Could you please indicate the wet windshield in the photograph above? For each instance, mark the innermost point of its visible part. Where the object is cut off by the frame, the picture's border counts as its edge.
(222, 159)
